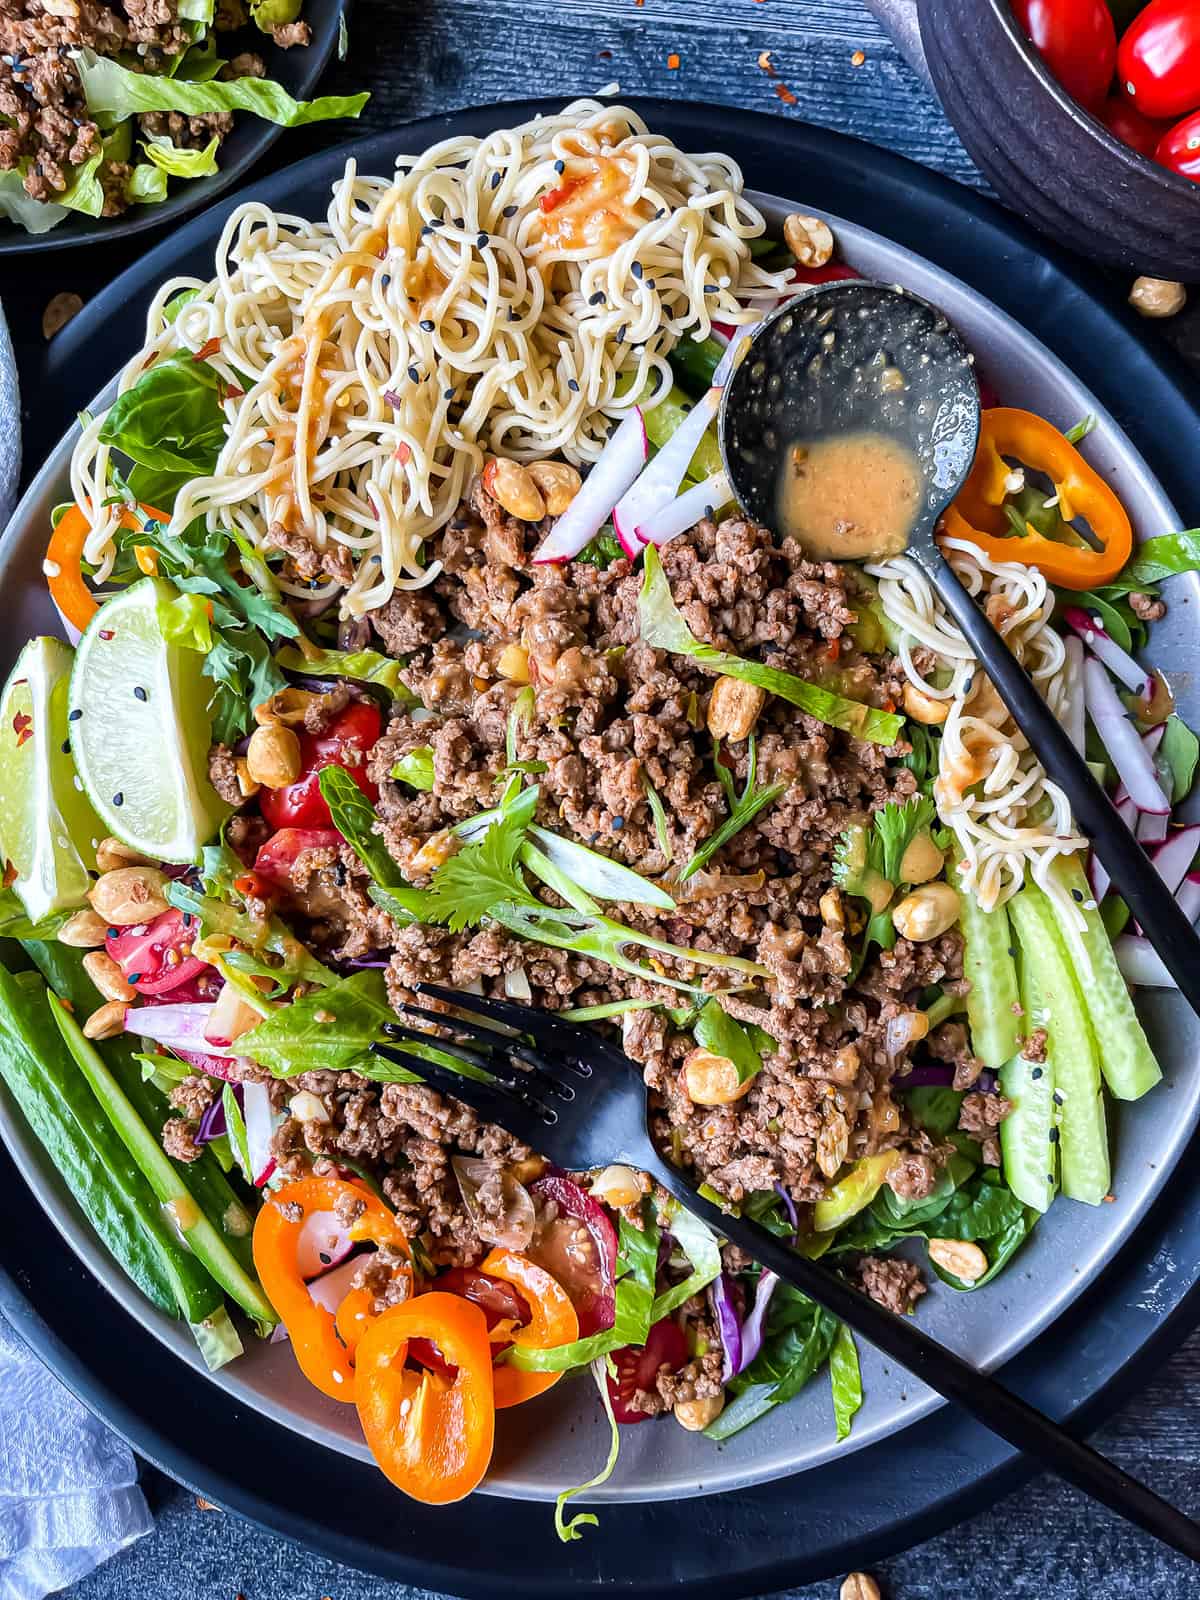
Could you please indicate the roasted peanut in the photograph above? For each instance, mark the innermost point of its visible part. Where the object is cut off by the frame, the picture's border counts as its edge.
(436, 850)
(1157, 297)
(923, 707)
(833, 1142)
(246, 784)
(129, 895)
(859, 1586)
(922, 859)
(696, 1415)
(808, 238)
(733, 708)
(308, 1107)
(107, 976)
(926, 913)
(287, 706)
(712, 1080)
(558, 483)
(273, 756)
(107, 1022)
(528, 1170)
(616, 1186)
(510, 484)
(830, 907)
(514, 663)
(960, 1258)
(112, 853)
(84, 931)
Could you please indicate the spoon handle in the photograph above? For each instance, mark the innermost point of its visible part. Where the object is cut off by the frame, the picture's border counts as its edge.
(1147, 897)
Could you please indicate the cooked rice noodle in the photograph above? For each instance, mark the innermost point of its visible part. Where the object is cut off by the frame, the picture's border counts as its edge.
(438, 316)
(1008, 817)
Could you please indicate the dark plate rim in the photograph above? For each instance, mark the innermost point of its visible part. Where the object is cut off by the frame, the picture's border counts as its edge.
(250, 140)
(948, 1466)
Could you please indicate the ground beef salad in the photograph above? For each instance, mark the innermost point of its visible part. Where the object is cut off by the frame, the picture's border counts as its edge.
(660, 774)
(101, 106)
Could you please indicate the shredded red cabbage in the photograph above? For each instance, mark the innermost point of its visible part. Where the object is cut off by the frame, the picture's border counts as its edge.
(725, 1315)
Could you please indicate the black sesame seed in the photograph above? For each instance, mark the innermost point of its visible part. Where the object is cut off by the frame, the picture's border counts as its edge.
(426, 230)
(414, 374)
(618, 822)
(636, 269)
(621, 331)
(1077, 894)
(573, 385)
(597, 299)
(386, 279)
(482, 241)
(95, 877)
(513, 314)
(1036, 1074)
(650, 283)
(447, 394)
(459, 222)
(339, 873)
(113, 933)
(969, 685)
(140, 694)
(65, 747)
(1058, 1098)
(118, 799)
(1012, 950)
(710, 512)
(1053, 1135)
(592, 837)
(324, 1258)
(661, 212)
(1049, 1177)
(711, 288)
(509, 211)
(74, 716)
(428, 324)
(133, 977)
(187, 919)
(496, 177)
(560, 166)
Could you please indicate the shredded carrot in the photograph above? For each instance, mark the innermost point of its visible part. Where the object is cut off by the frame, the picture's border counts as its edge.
(673, 62)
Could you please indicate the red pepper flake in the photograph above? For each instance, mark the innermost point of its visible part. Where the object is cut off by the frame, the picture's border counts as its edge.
(106, 634)
(785, 94)
(22, 727)
(403, 453)
(889, 704)
(859, 58)
(250, 885)
(234, 394)
(10, 874)
(672, 62)
(209, 348)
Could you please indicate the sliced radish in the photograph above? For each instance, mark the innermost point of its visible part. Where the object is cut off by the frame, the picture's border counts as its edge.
(1102, 645)
(1152, 826)
(1129, 755)
(1098, 874)
(1151, 739)
(679, 515)
(229, 1018)
(1072, 714)
(261, 1123)
(622, 458)
(180, 1027)
(1188, 898)
(322, 1243)
(1173, 858)
(331, 1288)
(1141, 964)
(656, 485)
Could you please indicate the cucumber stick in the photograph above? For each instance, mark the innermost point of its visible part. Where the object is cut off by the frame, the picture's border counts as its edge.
(1071, 1049)
(106, 1183)
(206, 1242)
(1026, 1134)
(992, 1001)
(1126, 1058)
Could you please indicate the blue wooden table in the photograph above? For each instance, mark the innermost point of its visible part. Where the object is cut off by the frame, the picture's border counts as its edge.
(421, 56)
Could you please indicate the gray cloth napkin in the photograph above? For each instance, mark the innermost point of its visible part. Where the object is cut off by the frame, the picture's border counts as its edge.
(69, 1496)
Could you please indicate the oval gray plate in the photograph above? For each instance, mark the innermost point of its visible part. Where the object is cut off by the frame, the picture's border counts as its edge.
(560, 1440)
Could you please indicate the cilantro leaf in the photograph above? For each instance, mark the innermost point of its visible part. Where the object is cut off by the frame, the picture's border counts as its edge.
(895, 827)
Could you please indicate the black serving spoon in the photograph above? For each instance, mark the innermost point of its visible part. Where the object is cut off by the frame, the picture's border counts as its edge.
(853, 357)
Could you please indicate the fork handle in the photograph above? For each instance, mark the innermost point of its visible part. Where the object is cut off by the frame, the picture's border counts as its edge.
(988, 1401)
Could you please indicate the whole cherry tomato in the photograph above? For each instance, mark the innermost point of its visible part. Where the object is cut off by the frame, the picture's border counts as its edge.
(637, 1366)
(1078, 42)
(344, 743)
(1159, 59)
(1179, 148)
(1130, 126)
(275, 860)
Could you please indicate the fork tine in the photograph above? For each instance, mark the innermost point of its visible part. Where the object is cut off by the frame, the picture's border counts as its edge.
(476, 1058)
(493, 1102)
(467, 1025)
(541, 1075)
(527, 1019)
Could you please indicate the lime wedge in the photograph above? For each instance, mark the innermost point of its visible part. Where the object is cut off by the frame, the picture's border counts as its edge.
(141, 728)
(48, 831)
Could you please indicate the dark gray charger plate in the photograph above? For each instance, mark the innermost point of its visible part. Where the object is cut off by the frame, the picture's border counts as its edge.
(892, 1494)
(297, 69)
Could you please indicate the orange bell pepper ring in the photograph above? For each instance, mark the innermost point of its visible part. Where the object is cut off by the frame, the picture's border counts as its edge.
(431, 1437)
(322, 1356)
(552, 1322)
(64, 555)
(977, 513)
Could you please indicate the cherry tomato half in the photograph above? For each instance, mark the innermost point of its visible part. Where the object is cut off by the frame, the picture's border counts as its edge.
(1159, 59)
(498, 1301)
(1179, 148)
(274, 862)
(638, 1366)
(1130, 126)
(1078, 42)
(345, 743)
(158, 956)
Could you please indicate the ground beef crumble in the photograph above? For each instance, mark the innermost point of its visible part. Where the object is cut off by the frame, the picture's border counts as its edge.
(895, 1284)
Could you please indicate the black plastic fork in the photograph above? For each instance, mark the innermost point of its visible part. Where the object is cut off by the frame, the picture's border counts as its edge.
(577, 1098)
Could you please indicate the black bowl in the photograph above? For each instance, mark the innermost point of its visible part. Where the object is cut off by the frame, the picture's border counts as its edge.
(1060, 168)
(297, 69)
